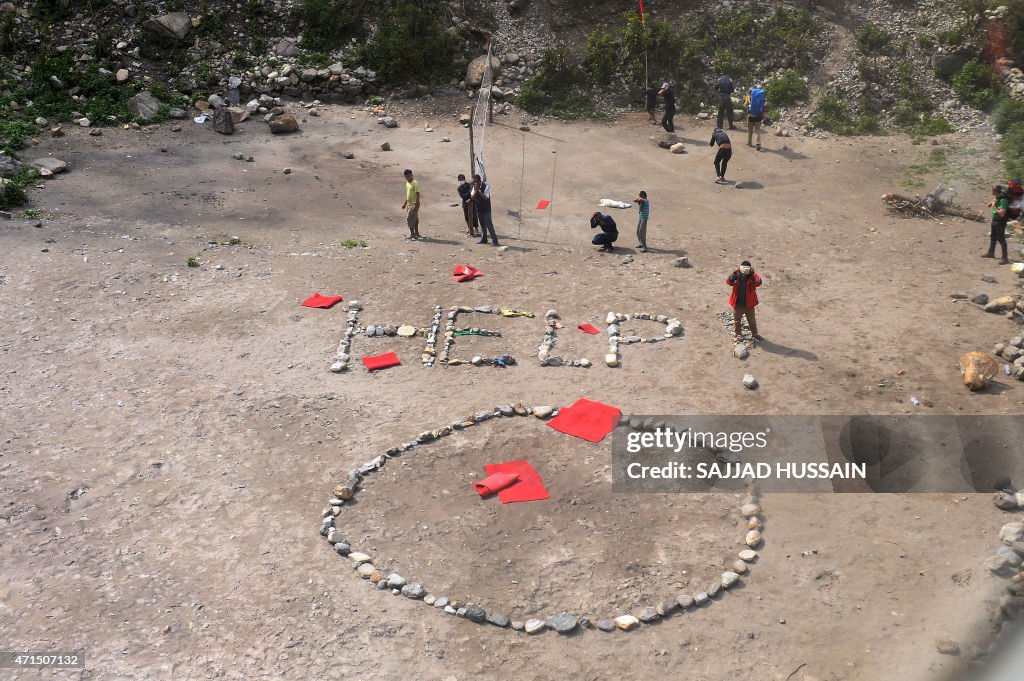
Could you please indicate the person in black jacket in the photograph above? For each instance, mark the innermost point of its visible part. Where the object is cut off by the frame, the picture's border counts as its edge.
(725, 88)
(609, 231)
(724, 153)
(468, 210)
(482, 203)
(670, 108)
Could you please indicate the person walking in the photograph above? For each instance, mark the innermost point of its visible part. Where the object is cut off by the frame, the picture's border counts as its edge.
(725, 88)
(609, 231)
(724, 153)
(412, 205)
(482, 203)
(641, 226)
(744, 282)
(757, 99)
(651, 97)
(997, 234)
(468, 210)
(670, 108)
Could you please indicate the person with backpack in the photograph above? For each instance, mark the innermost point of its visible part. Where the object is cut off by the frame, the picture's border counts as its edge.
(756, 101)
(999, 206)
(1015, 197)
(725, 88)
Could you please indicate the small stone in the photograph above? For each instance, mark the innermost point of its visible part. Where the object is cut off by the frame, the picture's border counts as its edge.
(282, 124)
(542, 412)
(563, 622)
(740, 351)
(729, 578)
(1004, 501)
(365, 570)
(518, 626)
(1001, 565)
(605, 625)
(611, 318)
(358, 557)
(947, 647)
(701, 598)
(612, 359)
(627, 622)
(1001, 304)
(754, 523)
(497, 619)
(748, 555)
(714, 590)
(958, 296)
(287, 171)
(396, 581)
(980, 299)
(1020, 498)
(449, 609)
(648, 614)
(441, 602)
(748, 510)
(474, 613)
(1012, 532)
(534, 626)
(666, 608)
(685, 601)
(753, 539)
(740, 567)
(477, 361)
(989, 279)
(749, 382)
(414, 590)
(385, 147)
(429, 599)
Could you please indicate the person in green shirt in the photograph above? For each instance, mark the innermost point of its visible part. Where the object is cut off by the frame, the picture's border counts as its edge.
(412, 205)
(999, 204)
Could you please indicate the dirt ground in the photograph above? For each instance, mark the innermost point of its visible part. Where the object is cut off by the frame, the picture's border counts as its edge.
(171, 434)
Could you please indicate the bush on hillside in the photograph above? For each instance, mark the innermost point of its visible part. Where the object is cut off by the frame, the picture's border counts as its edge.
(785, 89)
(976, 84)
(1007, 113)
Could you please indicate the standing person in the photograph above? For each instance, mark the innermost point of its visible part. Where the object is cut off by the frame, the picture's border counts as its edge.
(482, 202)
(651, 97)
(670, 108)
(609, 231)
(725, 88)
(724, 153)
(412, 205)
(997, 234)
(744, 282)
(641, 226)
(755, 113)
(468, 210)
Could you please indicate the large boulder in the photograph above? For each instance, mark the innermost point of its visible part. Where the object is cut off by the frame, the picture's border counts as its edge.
(283, 123)
(9, 167)
(169, 26)
(223, 121)
(49, 165)
(286, 48)
(475, 70)
(946, 65)
(144, 105)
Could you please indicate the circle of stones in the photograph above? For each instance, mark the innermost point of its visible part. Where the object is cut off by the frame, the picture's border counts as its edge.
(564, 622)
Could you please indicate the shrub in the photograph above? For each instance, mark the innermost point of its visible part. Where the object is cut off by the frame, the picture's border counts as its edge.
(873, 40)
(329, 23)
(530, 99)
(1012, 146)
(785, 89)
(11, 195)
(976, 84)
(868, 124)
(833, 115)
(600, 55)
(1007, 113)
(410, 43)
(13, 133)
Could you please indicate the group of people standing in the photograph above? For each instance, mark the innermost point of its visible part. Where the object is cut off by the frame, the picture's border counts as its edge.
(476, 207)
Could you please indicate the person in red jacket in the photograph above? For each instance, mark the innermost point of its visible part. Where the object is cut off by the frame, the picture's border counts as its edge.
(744, 282)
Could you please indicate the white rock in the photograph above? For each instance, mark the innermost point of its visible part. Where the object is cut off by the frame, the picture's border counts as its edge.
(337, 367)
(740, 351)
(729, 578)
(121, 75)
(627, 622)
(585, 362)
(611, 318)
(1011, 532)
(542, 412)
(748, 555)
(749, 382)
(739, 567)
(1020, 498)
(753, 538)
(748, 510)
(611, 359)
(357, 557)
(535, 626)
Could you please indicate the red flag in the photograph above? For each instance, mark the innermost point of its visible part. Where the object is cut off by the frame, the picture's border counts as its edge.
(641, 11)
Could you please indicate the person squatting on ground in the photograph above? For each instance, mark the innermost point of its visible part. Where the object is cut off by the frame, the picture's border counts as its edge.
(468, 210)
(756, 101)
(744, 282)
(670, 108)
(1000, 207)
(609, 232)
(724, 153)
(412, 205)
(641, 226)
(724, 88)
(482, 202)
(651, 97)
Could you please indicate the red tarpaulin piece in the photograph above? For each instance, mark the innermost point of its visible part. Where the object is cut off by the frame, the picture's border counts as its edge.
(317, 300)
(495, 483)
(543, 203)
(529, 487)
(388, 359)
(588, 328)
(465, 273)
(586, 419)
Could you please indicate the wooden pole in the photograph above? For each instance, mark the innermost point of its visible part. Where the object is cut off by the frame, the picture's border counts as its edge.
(472, 154)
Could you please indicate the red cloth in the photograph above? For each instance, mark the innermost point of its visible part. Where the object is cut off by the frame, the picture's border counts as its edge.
(587, 419)
(388, 359)
(543, 203)
(317, 300)
(465, 273)
(495, 483)
(753, 281)
(529, 487)
(588, 328)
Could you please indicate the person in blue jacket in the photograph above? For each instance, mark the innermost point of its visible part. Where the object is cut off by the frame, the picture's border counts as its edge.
(755, 113)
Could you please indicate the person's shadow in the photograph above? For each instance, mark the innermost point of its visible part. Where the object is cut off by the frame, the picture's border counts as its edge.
(787, 153)
(785, 351)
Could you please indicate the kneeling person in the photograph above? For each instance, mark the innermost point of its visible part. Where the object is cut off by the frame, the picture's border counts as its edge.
(609, 232)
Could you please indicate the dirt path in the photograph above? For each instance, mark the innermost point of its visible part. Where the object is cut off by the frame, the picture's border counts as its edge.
(170, 433)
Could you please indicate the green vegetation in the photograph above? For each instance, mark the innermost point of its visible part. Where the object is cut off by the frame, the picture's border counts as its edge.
(555, 89)
(915, 174)
(785, 89)
(976, 84)
(231, 241)
(192, 261)
(833, 115)
(32, 213)
(600, 56)
(873, 40)
(14, 133)
(410, 43)
(352, 243)
(11, 195)
(329, 23)
(1008, 113)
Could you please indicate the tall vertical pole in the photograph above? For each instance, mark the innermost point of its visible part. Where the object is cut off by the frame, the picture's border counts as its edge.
(472, 153)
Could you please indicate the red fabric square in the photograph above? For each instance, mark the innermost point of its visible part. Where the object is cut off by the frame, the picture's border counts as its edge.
(465, 273)
(543, 203)
(588, 328)
(317, 300)
(587, 419)
(388, 359)
(529, 487)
